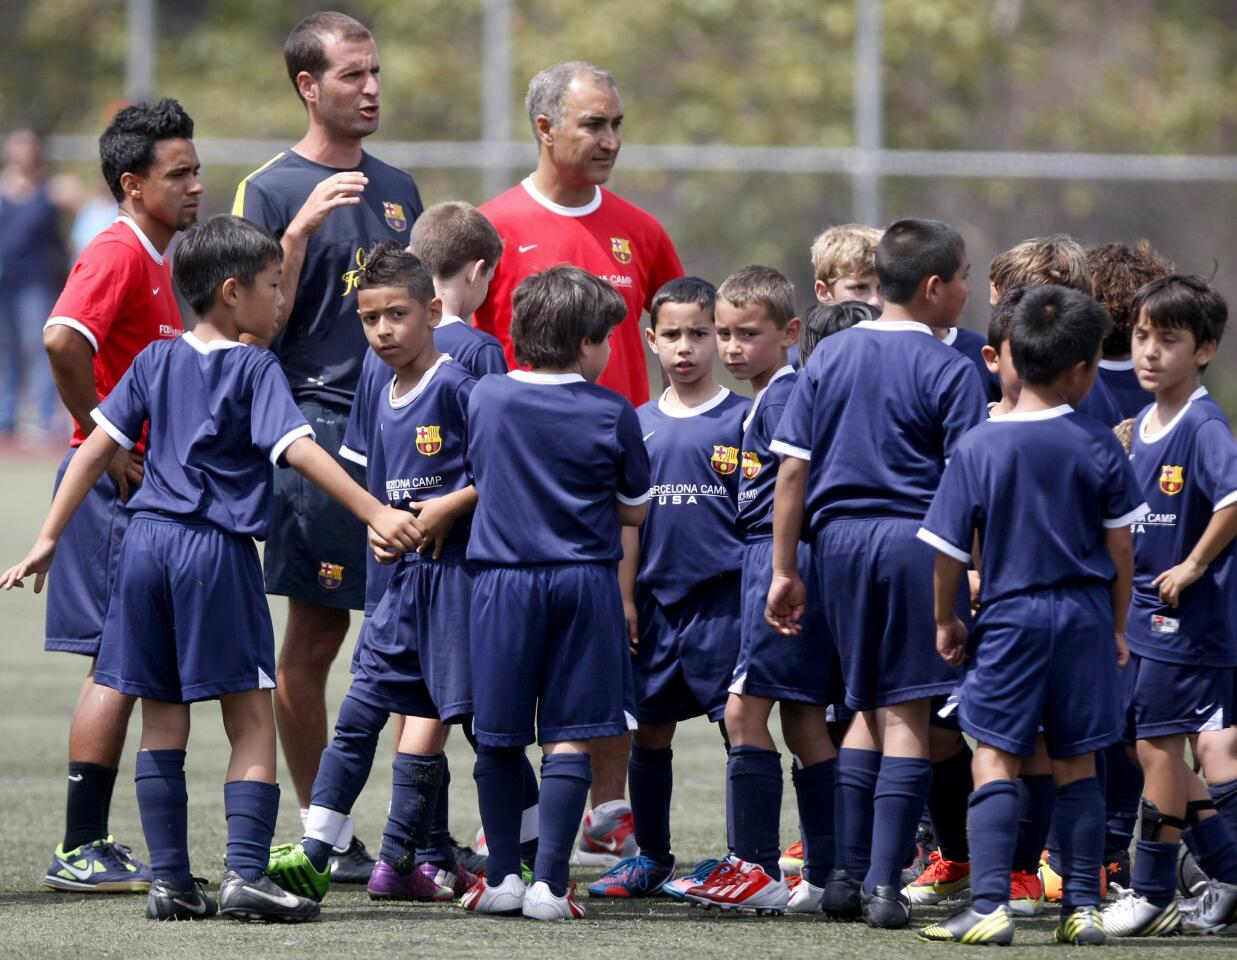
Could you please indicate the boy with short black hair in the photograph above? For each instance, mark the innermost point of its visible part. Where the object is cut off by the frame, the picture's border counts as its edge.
(681, 602)
(560, 467)
(1043, 649)
(188, 620)
(862, 455)
(1183, 646)
(821, 320)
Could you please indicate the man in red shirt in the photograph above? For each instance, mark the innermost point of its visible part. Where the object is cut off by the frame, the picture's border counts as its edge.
(561, 214)
(117, 300)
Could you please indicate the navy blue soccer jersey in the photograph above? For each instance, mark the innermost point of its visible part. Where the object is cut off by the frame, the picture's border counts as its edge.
(1040, 488)
(690, 534)
(1186, 472)
(1122, 382)
(322, 345)
(550, 453)
(475, 350)
(877, 411)
(758, 463)
(221, 415)
(971, 344)
(1101, 405)
(375, 381)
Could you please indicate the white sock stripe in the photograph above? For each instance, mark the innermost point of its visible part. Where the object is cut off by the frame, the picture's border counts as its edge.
(328, 826)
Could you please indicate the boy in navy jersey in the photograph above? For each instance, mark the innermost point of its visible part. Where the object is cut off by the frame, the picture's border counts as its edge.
(862, 455)
(756, 325)
(560, 468)
(1183, 644)
(412, 656)
(680, 570)
(1046, 496)
(187, 619)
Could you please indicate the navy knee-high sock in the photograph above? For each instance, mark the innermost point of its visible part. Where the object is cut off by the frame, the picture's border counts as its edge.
(1080, 831)
(754, 805)
(163, 804)
(1123, 790)
(814, 793)
(650, 782)
(1215, 848)
(251, 808)
(565, 779)
(901, 790)
(88, 803)
(496, 769)
(857, 771)
(1037, 798)
(438, 850)
(947, 797)
(1224, 796)
(415, 783)
(992, 817)
(1154, 875)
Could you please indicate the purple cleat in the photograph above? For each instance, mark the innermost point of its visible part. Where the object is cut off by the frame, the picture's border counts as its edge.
(387, 883)
(457, 880)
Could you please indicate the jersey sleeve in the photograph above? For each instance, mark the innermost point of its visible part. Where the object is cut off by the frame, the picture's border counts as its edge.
(793, 436)
(665, 266)
(963, 402)
(252, 203)
(355, 447)
(489, 358)
(1215, 454)
(275, 422)
(634, 473)
(463, 398)
(949, 525)
(1123, 501)
(123, 412)
(97, 291)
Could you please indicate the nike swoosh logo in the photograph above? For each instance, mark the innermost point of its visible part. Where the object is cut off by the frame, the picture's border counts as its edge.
(525, 249)
(82, 873)
(198, 907)
(76, 778)
(1202, 710)
(285, 898)
(611, 844)
(649, 434)
(155, 291)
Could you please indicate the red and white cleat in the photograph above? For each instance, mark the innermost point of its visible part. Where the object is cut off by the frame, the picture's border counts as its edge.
(745, 886)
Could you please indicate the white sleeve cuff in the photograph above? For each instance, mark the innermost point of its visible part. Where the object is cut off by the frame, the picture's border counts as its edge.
(634, 501)
(1136, 514)
(1226, 501)
(353, 457)
(111, 429)
(943, 545)
(788, 450)
(74, 325)
(304, 430)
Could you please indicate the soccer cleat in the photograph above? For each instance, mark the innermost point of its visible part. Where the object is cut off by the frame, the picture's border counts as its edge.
(942, 880)
(504, 900)
(842, 895)
(457, 880)
(165, 902)
(677, 888)
(541, 904)
(791, 861)
(637, 876)
(353, 865)
(1211, 911)
(885, 908)
(1054, 884)
(1132, 915)
(292, 870)
(606, 838)
(967, 925)
(103, 866)
(262, 901)
(471, 860)
(387, 883)
(1084, 927)
(1026, 894)
(1190, 876)
(745, 886)
(805, 898)
(925, 846)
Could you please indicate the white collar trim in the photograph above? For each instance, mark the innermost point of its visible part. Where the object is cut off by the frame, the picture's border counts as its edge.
(681, 413)
(208, 346)
(1148, 437)
(950, 337)
(528, 376)
(155, 255)
(411, 395)
(541, 198)
(888, 326)
(447, 321)
(1030, 415)
(1117, 364)
(784, 371)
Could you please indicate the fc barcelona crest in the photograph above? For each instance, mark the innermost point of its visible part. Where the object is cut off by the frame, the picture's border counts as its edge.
(429, 440)
(330, 575)
(394, 214)
(1172, 479)
(725, 460)
(621, 248)
(751, 464)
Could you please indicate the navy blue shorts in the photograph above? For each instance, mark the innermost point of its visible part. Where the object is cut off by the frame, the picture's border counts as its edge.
(79, 584)
(315, 550)
(686, 652)
(188, 620)
(550, 656)
(412, 655)
(802, 667)
(1163, 699)
(1047, 656)
(875, 582)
